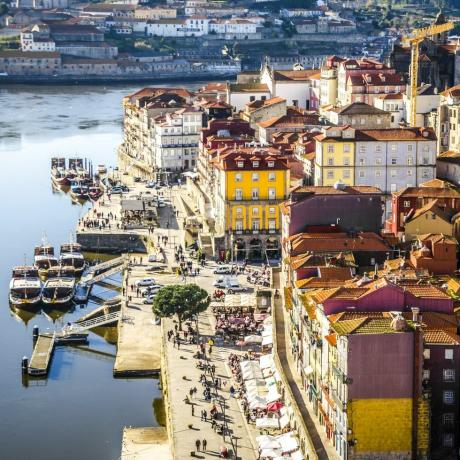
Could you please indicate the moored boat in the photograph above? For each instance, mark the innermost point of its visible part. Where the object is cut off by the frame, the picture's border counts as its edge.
(25, 286)
(79, 191)
(59, 288)
(71, 256)
(44, 258)
(94, 193)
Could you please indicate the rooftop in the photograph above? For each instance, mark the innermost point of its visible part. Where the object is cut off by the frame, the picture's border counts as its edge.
(358, 108)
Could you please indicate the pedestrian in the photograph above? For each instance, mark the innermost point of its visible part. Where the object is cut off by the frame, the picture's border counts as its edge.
(205, 415)
(198, 444)
(213, 366)
(190, 392)
(205, 445)
(210, 349)
(178, 344)
(202, 415)
(193, 410)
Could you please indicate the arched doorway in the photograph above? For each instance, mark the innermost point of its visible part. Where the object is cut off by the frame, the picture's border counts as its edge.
(273, 248)
(255, 249)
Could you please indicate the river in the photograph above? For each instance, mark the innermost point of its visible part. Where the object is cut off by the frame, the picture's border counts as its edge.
(79, 411)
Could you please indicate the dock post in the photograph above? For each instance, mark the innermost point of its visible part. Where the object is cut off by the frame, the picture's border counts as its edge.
(24, 364)
(35, 332)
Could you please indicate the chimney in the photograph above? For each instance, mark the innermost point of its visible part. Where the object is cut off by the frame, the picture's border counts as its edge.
(415, 314)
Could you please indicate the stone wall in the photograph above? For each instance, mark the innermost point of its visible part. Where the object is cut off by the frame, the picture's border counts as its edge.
(112, 242)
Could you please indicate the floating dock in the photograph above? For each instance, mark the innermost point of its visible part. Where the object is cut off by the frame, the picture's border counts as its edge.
(41, 356)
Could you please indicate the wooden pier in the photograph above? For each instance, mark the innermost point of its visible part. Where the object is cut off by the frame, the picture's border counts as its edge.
(41, 356)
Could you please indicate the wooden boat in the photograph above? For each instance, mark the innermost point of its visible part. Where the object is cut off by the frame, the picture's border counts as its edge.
(59, 288)
(71, 256)
(25, 286)
(44, 258)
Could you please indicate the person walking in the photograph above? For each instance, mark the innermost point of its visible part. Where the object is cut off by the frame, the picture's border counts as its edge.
(198, 444)
(205, 415)
(205, 445)
(193, 410)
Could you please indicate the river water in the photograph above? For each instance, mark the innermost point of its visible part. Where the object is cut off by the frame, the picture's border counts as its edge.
(79, 411)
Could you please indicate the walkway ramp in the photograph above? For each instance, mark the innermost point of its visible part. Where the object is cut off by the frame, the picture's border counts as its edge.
(91, 279)
(88, 324)
(105, 266)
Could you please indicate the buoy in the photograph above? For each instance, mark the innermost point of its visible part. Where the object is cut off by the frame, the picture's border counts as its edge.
(25, 364)
(35, 332)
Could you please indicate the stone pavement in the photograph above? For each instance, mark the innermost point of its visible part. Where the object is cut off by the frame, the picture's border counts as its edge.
(145, 444)
(182, 374)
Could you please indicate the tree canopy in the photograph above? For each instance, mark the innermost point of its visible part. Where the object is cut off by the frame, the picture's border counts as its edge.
(183, 300)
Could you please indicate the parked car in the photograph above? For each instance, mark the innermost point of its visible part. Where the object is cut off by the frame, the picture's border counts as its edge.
(149, 299)
(145, 282)
(161, 204)
(223, 269)
(150, 184)
(152, 258)
(234, 286)
(220, 283)
(137, 179)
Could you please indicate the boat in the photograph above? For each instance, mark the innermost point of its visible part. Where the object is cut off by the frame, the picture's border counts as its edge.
(59, 288)
(60, 177)
(25, 286)
(44, 258)
(71, 256)
(94, 193)
(79, 190)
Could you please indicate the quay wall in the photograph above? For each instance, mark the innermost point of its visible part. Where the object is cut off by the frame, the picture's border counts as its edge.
(112, 243)
(113, 79)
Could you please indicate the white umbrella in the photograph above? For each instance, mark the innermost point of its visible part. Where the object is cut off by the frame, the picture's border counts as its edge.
(253, 339)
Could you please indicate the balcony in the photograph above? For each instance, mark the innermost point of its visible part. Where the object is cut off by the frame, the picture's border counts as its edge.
(342, 405)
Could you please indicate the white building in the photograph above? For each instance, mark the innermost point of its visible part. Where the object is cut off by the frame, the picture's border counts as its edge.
(175, 139)
(234, 28)
(37, 38)
(196, 26)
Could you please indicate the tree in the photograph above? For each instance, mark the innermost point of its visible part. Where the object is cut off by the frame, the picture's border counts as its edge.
(181, 300)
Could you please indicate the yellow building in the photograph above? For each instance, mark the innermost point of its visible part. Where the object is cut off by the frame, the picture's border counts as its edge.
(335, 156)
(250, 184)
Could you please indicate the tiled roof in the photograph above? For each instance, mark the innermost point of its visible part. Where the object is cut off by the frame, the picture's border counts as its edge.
(294, 75)
(335, 273)
(364, 325)
(438, 237)
(359, 108)
(436, 183)
(229, 161)
(397, 134)
(429, 192)
(347, 190)
(255, 105)
(453, 92)
(433, 208)
(439, 337)
(451, 156)
(248, 88)
(391, 96)
(297, 120)
(426, 291)
(316, 283)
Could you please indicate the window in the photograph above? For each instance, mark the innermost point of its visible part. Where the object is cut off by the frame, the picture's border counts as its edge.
(409, 172)
(346, 161)
(256, 224)
(425, 160)
(238, 177)
(239, 225)
(378, 161)
(361, 174)
(425, 174)
(271, 224)
(272, 194)
(448, 375)
(448, 440)
(449, 353)
(362, 149)
(255, 177)
(252, 98)
(255, 211)
(393, 187)
(346, 148)
(407, 204)
(393, 173)
(330, 174)
(426, 353)
(255, 194)
(409, 147)
(448, 418)
(393, 161)
(240, 164)
(448, 397)
(410, 161)
(361, 162)
(378, 148)
(346, 174)
(330, 148)
(271, 210)
(330, 161)
(271, 164)
(255, 164)
(393, 147)
(271, 177)
(426, 374)
(238, 194)
(377, 173)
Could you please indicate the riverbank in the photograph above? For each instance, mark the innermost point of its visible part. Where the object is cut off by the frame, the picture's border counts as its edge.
(45, 80)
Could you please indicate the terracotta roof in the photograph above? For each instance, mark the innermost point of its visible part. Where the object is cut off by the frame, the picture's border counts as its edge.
(426, 291)
(30, 54)
(335, 273)
(395, 134)
(294, 75)
(364, 325)
(433, 207)
(437, 337)
(391, 96)
(376, 80)
(437, 183)
(316, 283)
(428, 192)
(437, 238)
(255, 105)
(358, 108)
(330, 190)
(451, 156)
(298, 120)
(229, 161)
(249, 88)
(454, 91)
(324, 242)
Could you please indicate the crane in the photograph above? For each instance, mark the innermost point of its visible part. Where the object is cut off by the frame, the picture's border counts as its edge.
(418, 35)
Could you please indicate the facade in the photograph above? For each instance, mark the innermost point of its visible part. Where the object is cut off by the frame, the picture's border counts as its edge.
(240, 94)
(389, 159)
(250, 184)
(30, 63)
(195, 26)
(262, 110)
(393, 104)
(448, 166)
(358, 115)
(175, 139)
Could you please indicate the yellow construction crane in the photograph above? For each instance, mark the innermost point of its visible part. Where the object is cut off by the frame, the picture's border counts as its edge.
(418, 35)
